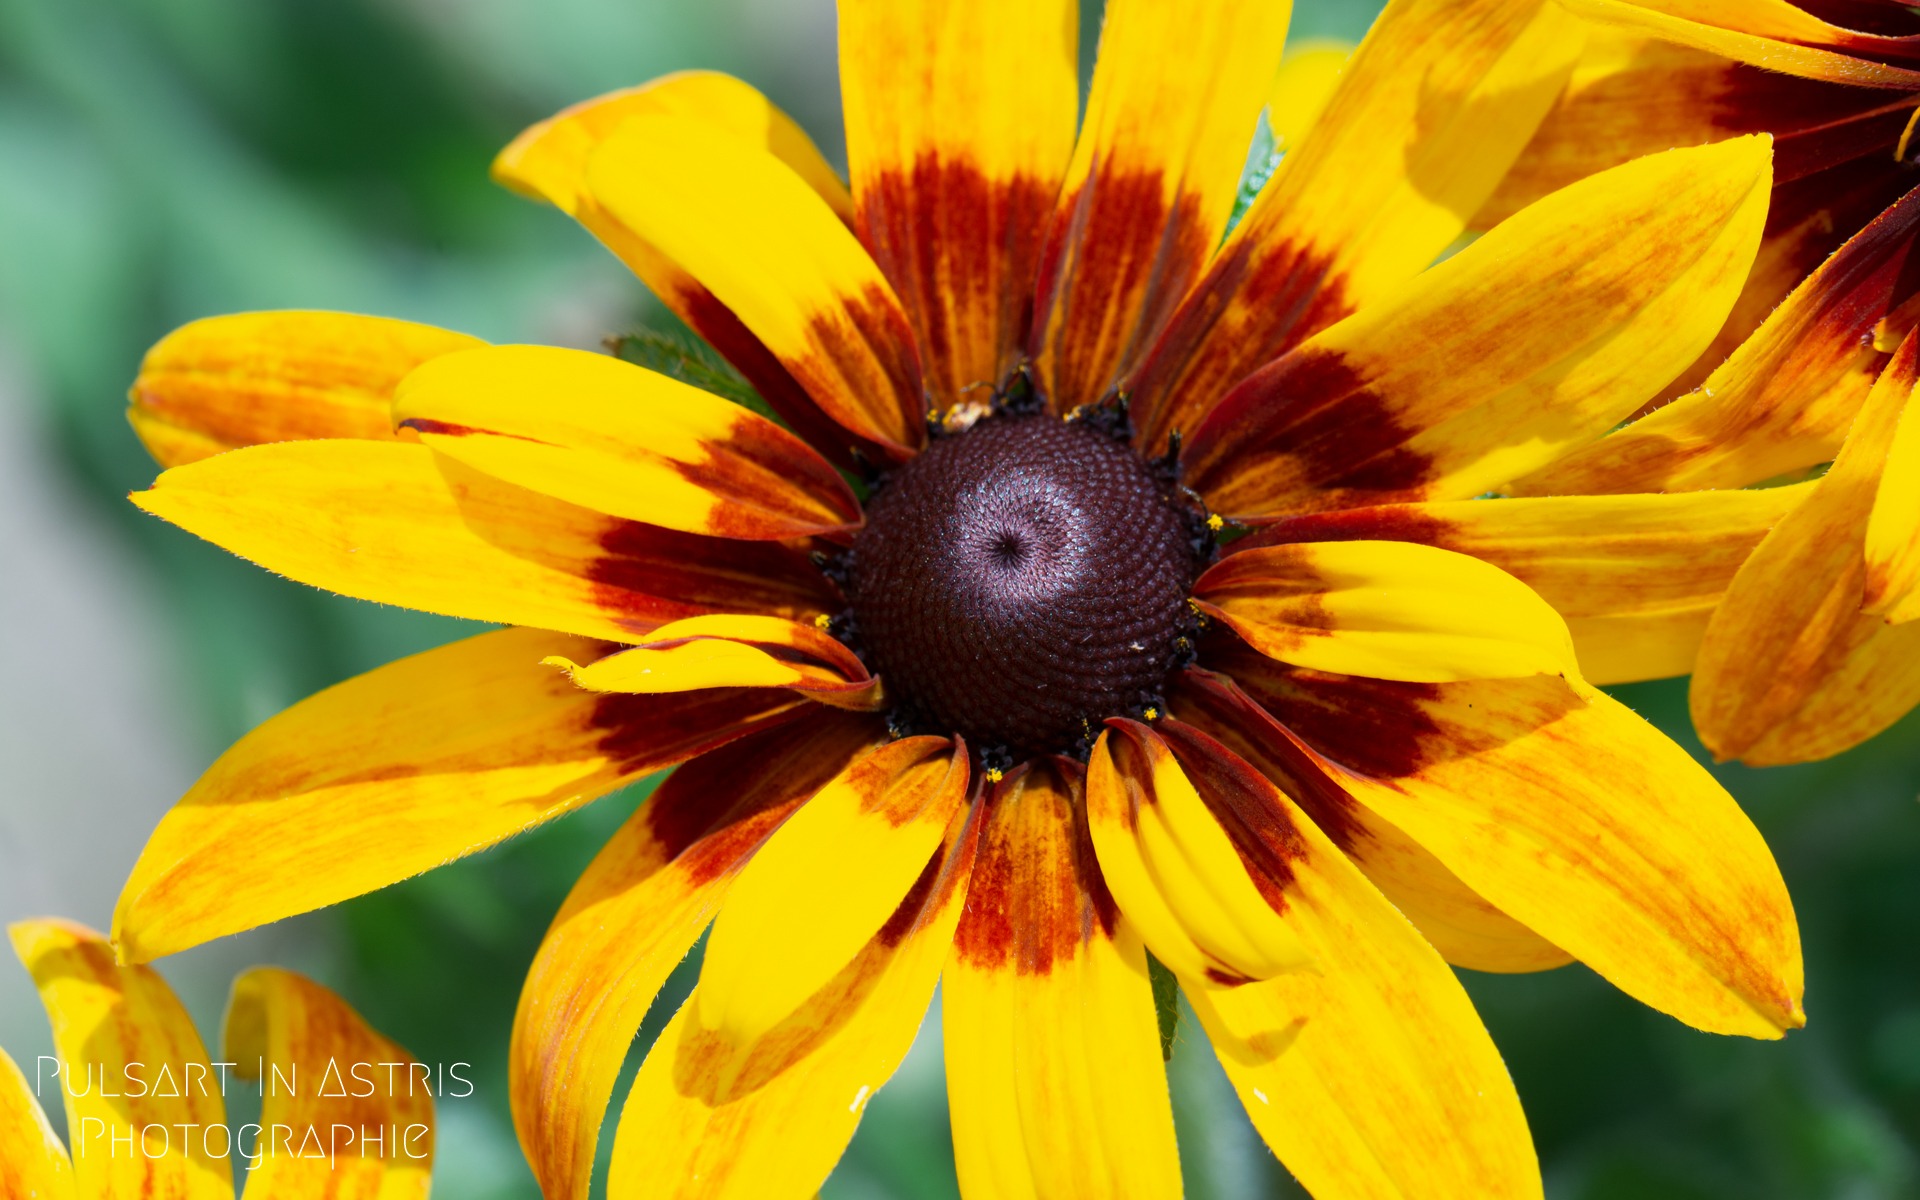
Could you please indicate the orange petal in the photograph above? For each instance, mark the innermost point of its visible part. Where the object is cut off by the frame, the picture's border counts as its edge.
(257, 377)
(1461, 924)
(1575, 817)
(955, 167)
(1054, 1073)
(142, 1069)
(826, 882)
(633, 916)
(1893, 532)
(1371, 1076)
(1876, 685)
(1463, 380)
(1176, 92)
(623, 440)
(328, 1080)
(1781, 403)
(715, 1119)
(397, 771)
(751, 231)
(1636, 577)
(33, 1163)
(402, 525)
(1792, 617)
(549, 162)
(1427, 117)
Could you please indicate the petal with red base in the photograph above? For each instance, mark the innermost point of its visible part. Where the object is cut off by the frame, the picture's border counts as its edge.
(960, 119)
(635, 913)
(1427, 116)
(1176, 91)
(398, 771)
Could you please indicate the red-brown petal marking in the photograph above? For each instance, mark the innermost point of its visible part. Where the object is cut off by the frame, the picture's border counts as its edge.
(1175, 94)
(633, 916)
(956, 165)
(1786, 397)
(1461, 924)
(1426, 118)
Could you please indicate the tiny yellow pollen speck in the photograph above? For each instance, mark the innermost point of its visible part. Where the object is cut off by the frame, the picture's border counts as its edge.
(1215, 523)
(822, 621)
(1153, 714)
(995, 774)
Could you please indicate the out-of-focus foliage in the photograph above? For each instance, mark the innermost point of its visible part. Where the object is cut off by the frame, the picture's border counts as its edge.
(162, 160)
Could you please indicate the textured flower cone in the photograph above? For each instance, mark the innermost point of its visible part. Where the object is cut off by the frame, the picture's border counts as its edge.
(143, 1119)
(1022, 714)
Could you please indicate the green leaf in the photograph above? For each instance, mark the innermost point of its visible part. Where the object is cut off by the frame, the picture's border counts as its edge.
(1166, 1004)
(685, 357)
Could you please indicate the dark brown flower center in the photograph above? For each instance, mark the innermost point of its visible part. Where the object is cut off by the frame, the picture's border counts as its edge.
(1022, 581)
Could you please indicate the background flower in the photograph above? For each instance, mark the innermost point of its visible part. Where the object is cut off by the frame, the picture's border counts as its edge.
(173, 158)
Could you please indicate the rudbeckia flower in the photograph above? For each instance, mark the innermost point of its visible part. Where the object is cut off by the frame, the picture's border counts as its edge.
(1814, 649)
(145, 1106)
(1012, 719)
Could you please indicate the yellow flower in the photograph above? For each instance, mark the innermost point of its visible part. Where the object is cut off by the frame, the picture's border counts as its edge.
(1047, 725)
(1815, 647)
(145, 1107)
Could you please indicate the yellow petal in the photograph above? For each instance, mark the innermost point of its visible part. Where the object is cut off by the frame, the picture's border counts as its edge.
(1371, 1076)
(325, 1075)
(1174, 872)
(1176, 91)
(1782, 402)
(1574, 816)
(1435, 105)
(726, 650)
(710, 1118)
(1461, 924)
(397, 771)
(751, 231)
(33, 1163)
(1301, 88)
(1387, 610)
(1636, 577)
(402, 525)
(549, 162)
(827, 882)
(1054, 1073)
(1893, 531)
(623, 440)
(1792, 617)
(960, 118)
(132, 1068)
(1533, 341)
(632, 917)
(257, 377)
(1761, 32)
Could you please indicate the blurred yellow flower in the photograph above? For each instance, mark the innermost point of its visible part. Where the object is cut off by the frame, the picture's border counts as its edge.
(343, 1111)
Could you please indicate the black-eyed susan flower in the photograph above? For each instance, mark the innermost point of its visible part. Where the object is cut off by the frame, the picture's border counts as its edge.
(1815, 648)
(342, 1111)
(1013, 718)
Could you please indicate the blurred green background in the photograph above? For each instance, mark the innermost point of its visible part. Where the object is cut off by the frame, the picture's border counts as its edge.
(162, 160)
